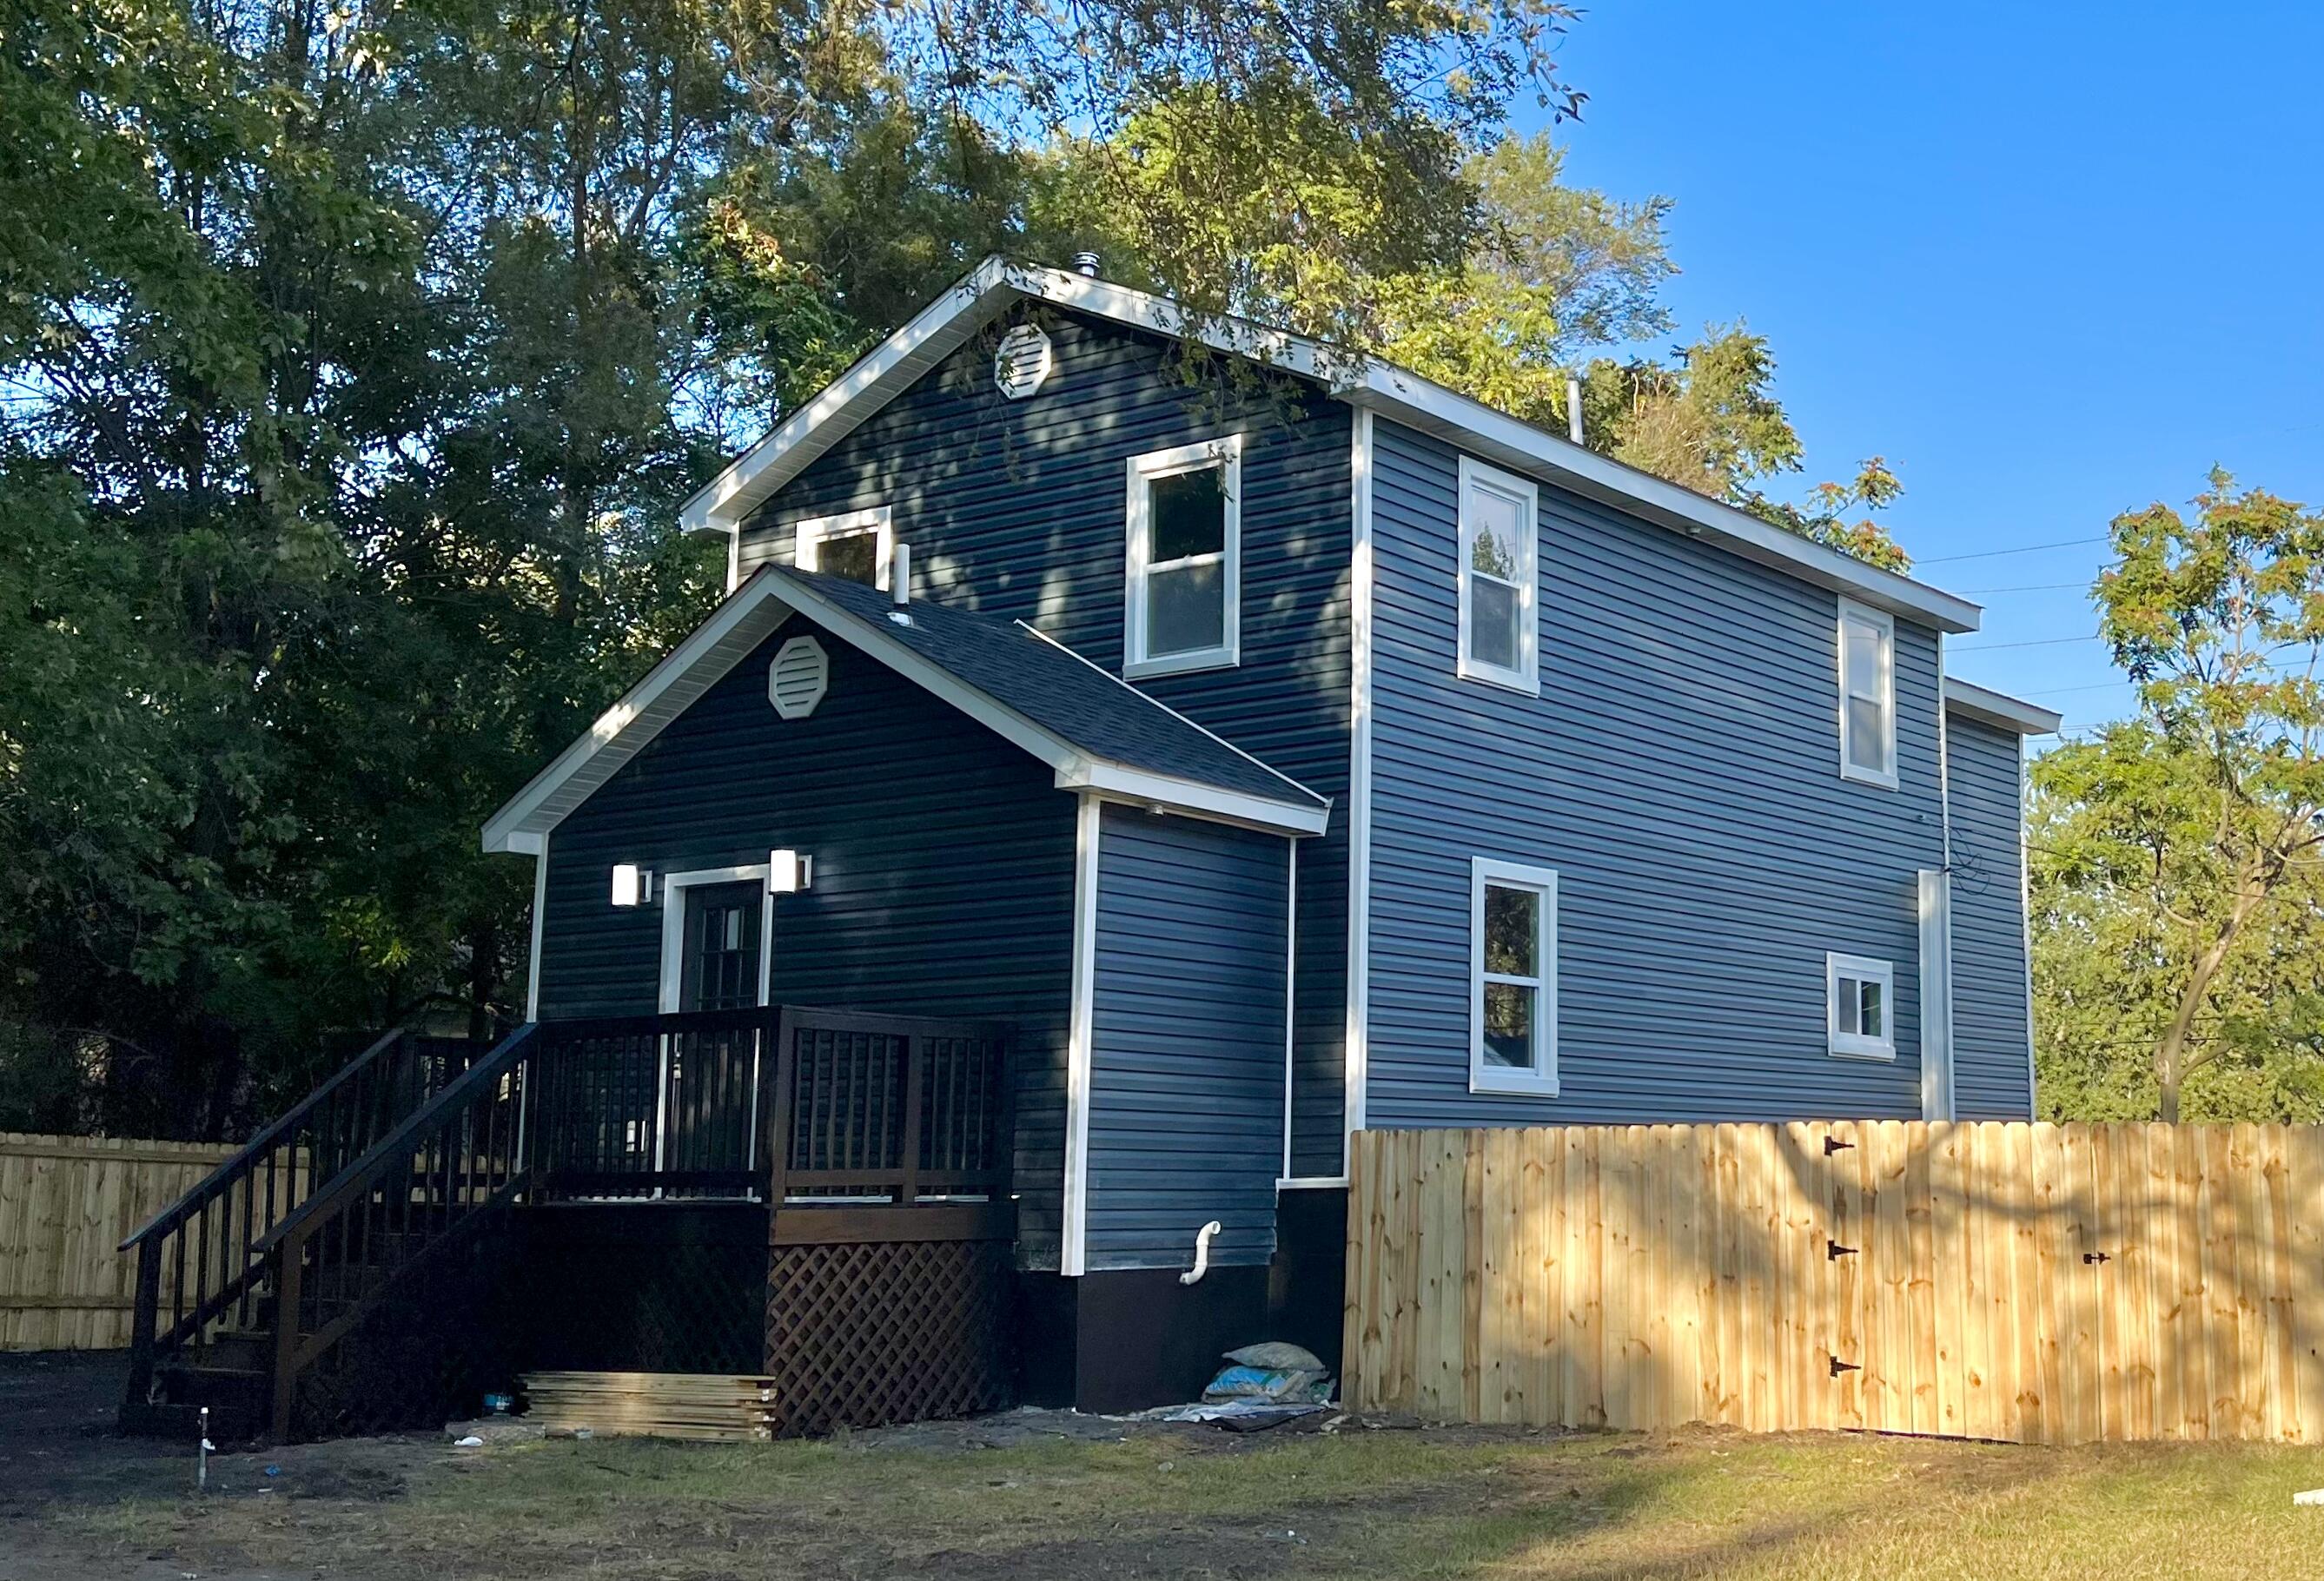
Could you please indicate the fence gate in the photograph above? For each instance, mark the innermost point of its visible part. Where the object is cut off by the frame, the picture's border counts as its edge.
(892, 1241)
(2033, 1282)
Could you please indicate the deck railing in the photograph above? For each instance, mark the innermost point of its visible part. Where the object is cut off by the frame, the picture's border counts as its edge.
(389, 1168)
(801, 1104)
(209, 1243)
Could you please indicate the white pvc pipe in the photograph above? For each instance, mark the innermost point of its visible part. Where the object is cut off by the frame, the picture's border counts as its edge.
(1202, 1253)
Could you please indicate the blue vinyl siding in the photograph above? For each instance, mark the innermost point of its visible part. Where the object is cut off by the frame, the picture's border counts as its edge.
(1992, 1073)
(1016, 508)
(1186, 1048)
(1680, 771)
(943, 881)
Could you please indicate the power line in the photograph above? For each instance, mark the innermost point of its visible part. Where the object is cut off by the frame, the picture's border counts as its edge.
(2026, 588)
(2025, 549)
(2062, 691)
(2029, 642)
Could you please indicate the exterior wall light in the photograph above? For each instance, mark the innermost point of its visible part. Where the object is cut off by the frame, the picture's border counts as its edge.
(788, 872)
(632, 884)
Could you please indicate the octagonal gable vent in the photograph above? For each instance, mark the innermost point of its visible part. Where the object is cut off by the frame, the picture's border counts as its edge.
(799, 676)
(1023, 362)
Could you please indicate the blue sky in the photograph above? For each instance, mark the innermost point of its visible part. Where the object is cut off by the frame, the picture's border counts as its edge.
(2052, 261)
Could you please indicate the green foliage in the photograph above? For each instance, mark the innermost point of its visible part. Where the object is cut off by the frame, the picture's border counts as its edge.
(2179, 857)
(354, 357)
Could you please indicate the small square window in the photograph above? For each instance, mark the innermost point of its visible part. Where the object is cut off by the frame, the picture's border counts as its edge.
(859, 546)
(1513, 948)
(1499, 517)
(1860, 999)
(1185, 521)
(1867, 695)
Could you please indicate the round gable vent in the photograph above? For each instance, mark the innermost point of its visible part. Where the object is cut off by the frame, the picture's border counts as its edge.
(1023, 362)
(799, 676)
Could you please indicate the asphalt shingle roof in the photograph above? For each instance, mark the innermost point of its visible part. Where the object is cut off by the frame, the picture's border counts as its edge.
(1053, 688)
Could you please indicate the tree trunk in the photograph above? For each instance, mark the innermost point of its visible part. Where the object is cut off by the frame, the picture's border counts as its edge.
(2171, 1064)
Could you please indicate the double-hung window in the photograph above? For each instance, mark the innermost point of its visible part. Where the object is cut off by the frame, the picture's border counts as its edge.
(1859, 1001)
(1184, 560)
(1499, 523)
(858, 546)
(1513, 978)
(1867, 695)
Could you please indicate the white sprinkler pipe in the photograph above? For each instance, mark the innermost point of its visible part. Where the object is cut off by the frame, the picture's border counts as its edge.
(1202, 1253)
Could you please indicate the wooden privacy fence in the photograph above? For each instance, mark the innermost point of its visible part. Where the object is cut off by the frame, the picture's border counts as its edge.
(66, 1205)
(2032, 1283)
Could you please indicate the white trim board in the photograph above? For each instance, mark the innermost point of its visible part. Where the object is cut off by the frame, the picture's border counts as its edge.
(1073, 1215)
(1355, 1047)
(753, 611)
(1998, 709)
(995, 285)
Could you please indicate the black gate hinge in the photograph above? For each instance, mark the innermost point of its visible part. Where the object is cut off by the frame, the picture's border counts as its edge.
(1833, 1251)
(2096, 1257)
(1833, 1144)
(1840, 1367)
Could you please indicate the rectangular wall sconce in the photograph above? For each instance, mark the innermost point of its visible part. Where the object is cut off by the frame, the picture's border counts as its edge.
(632, 884)
(788, 872)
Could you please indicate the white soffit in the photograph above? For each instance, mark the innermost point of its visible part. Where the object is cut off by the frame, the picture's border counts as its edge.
(2000, 710)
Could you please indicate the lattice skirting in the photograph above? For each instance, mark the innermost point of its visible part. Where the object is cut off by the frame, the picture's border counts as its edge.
(661, 1287)
(868, 1333)
(424, 1356)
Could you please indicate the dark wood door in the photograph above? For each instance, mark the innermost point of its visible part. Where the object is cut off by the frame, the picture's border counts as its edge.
(720, 970)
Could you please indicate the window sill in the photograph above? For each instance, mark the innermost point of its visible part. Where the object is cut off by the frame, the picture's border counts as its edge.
(1508, 680)
(1501, 1083)
(1866, 777)
(1181, 664)
(1883, 1053)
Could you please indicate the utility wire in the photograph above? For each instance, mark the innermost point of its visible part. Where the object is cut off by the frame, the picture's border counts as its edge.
(2029, 642)
(2024, 549)
(2024, 587)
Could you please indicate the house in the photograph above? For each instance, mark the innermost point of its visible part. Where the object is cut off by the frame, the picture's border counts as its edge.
(1105, 788)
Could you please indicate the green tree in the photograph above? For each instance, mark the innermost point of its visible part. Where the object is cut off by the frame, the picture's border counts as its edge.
(2180, 856)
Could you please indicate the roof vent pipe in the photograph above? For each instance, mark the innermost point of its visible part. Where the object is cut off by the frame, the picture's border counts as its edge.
(900, 575)
(1085, 263)
(1573, 408)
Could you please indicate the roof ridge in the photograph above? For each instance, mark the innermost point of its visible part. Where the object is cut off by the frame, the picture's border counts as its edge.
(1249, 758)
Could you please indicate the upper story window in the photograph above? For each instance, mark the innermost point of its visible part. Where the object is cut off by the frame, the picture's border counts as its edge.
(858, 546)
(1499, 523)
(1184, 564)
(1867, 695)
(1513, 978)
(1859, 1001)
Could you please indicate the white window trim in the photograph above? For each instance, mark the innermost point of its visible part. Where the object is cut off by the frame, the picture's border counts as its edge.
(1854, 613)
(1855, 1045)
(811, 535)
(1225, 453)
(1541, 1081)
(1521, 492)
(673, 888)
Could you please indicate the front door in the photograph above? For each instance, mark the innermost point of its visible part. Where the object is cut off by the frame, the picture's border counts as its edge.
(711, 1073)
(720, 968)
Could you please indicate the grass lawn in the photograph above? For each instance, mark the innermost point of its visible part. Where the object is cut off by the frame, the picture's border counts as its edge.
(1395, 1503)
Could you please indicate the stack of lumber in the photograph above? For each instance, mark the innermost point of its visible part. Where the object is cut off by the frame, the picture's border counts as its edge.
(710, 1407)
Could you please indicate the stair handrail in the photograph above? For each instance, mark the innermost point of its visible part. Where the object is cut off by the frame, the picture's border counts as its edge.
(382, 1153)
(282, 1247)
(216, 1184)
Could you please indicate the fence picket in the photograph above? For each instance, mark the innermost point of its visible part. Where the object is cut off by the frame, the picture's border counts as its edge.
(65, 1204)
(2037, 1282)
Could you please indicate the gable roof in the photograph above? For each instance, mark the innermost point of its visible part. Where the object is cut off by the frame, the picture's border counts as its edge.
(2000, 710)
(1098, 733)
(996, 285)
